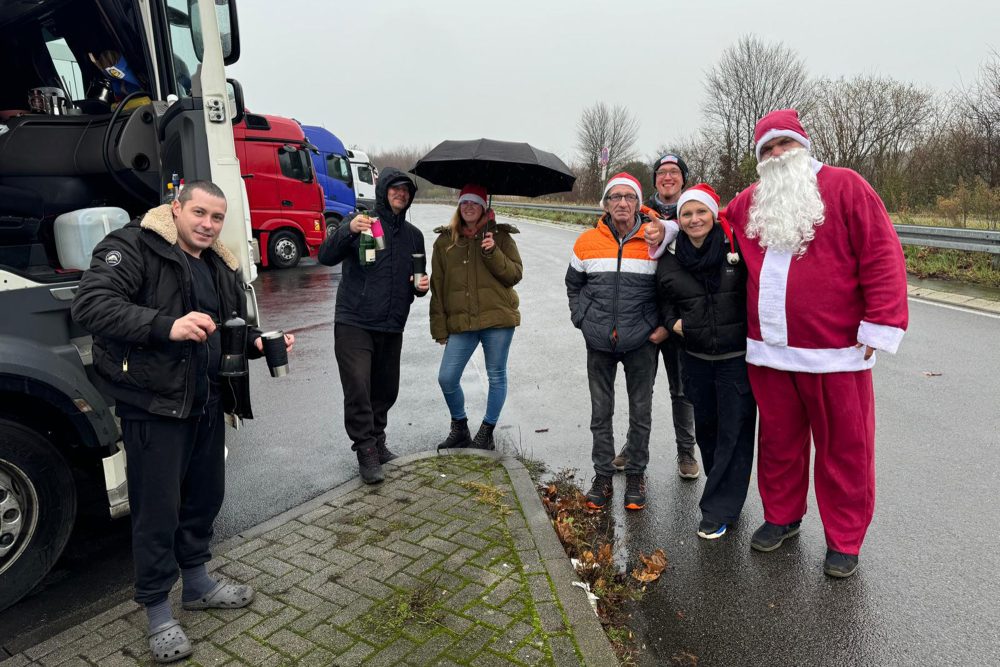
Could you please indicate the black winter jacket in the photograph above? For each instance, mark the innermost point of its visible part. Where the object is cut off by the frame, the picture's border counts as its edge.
(713, 323)
(138, 284)
(377, 297)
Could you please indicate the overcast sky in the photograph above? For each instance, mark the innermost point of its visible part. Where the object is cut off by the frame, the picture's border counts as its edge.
(387, 73)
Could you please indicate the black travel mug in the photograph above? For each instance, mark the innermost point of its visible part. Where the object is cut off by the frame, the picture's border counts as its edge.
(419, 267)
(275, 352)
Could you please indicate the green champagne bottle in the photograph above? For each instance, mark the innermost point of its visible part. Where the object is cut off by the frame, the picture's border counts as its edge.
(366, 249)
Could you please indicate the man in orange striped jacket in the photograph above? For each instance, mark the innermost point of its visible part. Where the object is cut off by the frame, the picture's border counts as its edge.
(612, 300)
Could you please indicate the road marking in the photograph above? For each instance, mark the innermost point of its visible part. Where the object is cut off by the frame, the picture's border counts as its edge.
(971, 311)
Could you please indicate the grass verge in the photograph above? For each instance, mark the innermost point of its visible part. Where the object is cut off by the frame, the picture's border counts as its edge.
(582, 219)
(976, 268)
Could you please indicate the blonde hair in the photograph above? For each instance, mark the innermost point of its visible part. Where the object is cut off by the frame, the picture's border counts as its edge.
(456, 224)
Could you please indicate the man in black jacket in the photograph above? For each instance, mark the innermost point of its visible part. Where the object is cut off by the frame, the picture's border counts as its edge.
(373, 302)
(153, 297)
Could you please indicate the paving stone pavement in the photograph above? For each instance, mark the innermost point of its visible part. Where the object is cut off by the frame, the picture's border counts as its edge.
(451, 561)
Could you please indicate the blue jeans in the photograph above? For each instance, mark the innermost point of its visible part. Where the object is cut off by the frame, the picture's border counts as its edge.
(458, 351)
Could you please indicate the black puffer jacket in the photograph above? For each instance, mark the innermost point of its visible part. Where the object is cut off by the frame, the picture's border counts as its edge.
(138, 283)
(377, 297)
(713, 323)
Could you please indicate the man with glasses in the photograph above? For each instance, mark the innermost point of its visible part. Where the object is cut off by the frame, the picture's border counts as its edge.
(669, 176)
(612, 300)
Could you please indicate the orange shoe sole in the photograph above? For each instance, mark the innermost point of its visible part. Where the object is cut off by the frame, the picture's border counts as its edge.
(634, 506)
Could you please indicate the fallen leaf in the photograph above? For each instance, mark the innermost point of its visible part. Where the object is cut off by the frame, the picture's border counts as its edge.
(551, 490)
(653, 566)
(604, 554)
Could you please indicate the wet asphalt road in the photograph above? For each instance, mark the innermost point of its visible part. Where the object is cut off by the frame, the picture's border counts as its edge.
(926, 590)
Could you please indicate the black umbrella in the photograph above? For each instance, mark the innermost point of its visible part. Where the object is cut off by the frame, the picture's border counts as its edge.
(502, 167)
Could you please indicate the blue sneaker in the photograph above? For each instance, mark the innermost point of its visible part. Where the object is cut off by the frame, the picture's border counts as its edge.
(711, 530)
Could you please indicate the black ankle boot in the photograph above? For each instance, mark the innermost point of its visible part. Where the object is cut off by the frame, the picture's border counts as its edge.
(384, 454)
(458, 436)
(484, 438)
(369, 466)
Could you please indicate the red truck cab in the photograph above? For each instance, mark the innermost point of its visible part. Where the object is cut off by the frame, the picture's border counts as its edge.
(286, 200)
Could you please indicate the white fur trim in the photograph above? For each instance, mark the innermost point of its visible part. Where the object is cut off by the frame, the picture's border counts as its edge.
(622, 181)
(468, 196)
(610, 265)
(670, 231)
(771, 298)
(880, 336)
(808, 360)
(771, 134)
(700, 196)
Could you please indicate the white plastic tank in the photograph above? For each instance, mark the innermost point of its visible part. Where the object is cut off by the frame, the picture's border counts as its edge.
(78, 232)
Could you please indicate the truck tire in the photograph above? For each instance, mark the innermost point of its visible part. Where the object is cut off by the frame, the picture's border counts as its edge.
(37, 509)
(333, 223)
(283, 249)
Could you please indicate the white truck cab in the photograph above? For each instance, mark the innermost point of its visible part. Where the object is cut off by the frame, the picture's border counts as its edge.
(365, 177)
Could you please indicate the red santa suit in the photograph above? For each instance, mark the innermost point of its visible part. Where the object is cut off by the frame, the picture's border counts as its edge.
(806, 314)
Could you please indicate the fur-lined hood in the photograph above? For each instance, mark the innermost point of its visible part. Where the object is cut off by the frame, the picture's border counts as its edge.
(161, 221)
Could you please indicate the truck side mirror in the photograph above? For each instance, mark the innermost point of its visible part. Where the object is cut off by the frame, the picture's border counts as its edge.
(235, 93)
(229, 30)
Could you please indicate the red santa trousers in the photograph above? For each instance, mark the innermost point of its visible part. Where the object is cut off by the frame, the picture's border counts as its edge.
(838, 410)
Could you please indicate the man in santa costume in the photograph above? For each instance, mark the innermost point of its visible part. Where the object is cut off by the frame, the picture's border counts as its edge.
(826, 289)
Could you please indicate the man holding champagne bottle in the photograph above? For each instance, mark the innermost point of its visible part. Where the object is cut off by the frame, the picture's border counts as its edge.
(373, 302)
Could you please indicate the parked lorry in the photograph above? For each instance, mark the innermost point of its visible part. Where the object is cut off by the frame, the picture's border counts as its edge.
(365, 177)
(333, 171)
(286, 200)
(59, 441)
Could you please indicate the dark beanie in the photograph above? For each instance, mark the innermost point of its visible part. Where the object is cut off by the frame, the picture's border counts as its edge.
(671, 158)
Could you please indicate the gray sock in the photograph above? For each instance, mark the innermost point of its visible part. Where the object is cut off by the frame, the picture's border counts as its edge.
(159, 613)
(196, 582)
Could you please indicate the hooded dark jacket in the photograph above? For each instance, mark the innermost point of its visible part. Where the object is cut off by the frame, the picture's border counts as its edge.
(377, 297)
(138, 284)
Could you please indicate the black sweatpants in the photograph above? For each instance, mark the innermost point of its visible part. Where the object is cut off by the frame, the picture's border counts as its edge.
(176, 483)
(369, 373)
(725, 415)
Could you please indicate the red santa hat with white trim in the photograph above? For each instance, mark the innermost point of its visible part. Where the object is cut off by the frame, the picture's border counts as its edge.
(703, 193)
(780, 123)
(623, 178)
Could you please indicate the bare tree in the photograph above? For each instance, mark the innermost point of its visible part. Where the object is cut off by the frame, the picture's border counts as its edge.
(981, 109)
(602, 126)
(752, 79)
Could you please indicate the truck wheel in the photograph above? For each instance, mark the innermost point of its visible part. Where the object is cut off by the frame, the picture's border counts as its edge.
(283, 250)
(333, 223)
(37, 509)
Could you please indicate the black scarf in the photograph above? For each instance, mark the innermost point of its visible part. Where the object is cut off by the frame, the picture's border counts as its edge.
(704, 263)
(666, 211)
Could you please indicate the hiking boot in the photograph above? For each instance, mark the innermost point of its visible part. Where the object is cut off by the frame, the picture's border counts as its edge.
(711, 530)
(458, 436)
(369, 466)
(484, 437)
(600, 492)
(620, 461)
(839, 565)
(635, 491)
(687, 466)
(384, 455)
(770, 535)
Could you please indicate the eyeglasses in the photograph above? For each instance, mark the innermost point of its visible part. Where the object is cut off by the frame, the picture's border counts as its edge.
(630, 198)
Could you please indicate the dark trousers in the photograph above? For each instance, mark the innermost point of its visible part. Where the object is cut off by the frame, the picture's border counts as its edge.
(725, 415)
(680, 407)
(176, 483)
(640, 373)
(369, 373)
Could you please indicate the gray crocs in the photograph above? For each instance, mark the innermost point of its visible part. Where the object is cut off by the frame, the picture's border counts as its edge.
(168, 642)
(223, 596)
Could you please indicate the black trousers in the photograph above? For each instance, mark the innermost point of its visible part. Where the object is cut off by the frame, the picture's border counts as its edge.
(176, 483)
(680, 406)
(725, 415)
(369, 373)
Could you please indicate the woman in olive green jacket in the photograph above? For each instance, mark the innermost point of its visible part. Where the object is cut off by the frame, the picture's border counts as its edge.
(474, 268)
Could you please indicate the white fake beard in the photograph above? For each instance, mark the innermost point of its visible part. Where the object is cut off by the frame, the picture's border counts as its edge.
(787, 206)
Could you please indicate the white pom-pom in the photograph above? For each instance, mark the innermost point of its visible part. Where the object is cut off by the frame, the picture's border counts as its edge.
(733, 258)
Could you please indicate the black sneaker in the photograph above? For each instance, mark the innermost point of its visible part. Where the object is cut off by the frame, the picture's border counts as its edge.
(458, 435)
(711, 530)
(369, 466)
(839, 565)
(770, 535)
(635, 491)
(484, 437)
(600, 492)
(384, 455)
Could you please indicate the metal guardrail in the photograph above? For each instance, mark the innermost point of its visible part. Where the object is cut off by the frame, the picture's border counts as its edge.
(973, 240)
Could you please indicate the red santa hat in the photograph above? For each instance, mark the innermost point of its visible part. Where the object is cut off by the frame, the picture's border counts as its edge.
(473, 193)
(780, 123)
(702, 192)
(623, 178)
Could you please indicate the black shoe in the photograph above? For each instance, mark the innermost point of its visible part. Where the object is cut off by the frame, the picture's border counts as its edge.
(458, 436)
(600, 492)
(369, 466)
(839, 565)
(484, 437)
(384, 455)
(711, 530)
(635, 491)
(770, 535)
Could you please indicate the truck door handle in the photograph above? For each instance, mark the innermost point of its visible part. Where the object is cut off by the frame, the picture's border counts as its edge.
(247, 175)
(286, 202)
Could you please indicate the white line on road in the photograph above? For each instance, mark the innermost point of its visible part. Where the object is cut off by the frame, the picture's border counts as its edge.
(971, 311)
